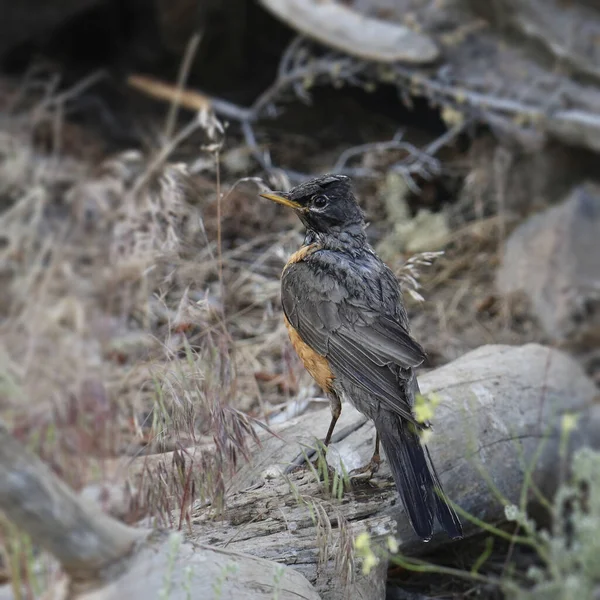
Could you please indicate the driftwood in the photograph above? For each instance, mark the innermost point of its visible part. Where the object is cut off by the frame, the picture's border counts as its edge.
(498, 404)
(336, 25)
(104, 559)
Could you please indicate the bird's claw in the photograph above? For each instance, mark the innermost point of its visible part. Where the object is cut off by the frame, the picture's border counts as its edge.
(366, 472)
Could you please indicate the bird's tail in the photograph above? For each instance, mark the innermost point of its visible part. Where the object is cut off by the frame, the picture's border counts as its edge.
(415, 477)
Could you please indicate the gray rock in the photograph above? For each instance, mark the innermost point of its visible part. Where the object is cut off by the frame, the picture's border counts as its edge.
(554, 257)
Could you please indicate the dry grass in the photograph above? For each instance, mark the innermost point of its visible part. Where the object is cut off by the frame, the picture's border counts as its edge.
(126, 327)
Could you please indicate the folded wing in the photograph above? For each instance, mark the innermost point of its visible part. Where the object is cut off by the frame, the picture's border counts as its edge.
(368, 347)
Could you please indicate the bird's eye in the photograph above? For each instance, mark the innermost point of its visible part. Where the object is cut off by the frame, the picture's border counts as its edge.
(320, 201)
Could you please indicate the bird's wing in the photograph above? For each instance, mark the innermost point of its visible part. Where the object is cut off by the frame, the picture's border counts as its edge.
(361, 343)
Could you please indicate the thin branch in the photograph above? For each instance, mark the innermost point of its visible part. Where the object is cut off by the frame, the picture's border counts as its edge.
(74, 91)
(335, 68)
(298, 70)
(487, 103)
(420, 162)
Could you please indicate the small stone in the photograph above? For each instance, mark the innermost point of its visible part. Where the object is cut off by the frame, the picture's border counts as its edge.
(554, 258)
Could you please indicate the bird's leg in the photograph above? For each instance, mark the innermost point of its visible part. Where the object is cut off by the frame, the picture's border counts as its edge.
(321, 461)
(336, 411)
(375, 459)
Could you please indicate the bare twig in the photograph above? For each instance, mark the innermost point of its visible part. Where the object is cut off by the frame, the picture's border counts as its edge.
(569, 122)
(308, 72)
(298, 71)
(419, 162)
(74, 91)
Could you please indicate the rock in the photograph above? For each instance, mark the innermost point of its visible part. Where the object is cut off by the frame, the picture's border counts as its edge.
(114, 498)
(554, 257)
(552, 23)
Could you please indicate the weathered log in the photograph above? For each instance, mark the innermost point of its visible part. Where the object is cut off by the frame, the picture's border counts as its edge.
(83, 539)
(498, 403)
(345, 29)
(169, 566)
(104, 559)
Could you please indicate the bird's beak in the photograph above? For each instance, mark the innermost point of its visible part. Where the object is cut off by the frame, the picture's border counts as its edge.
(281, 198)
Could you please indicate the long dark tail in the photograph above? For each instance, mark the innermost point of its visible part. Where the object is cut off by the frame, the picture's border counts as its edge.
(415, 477)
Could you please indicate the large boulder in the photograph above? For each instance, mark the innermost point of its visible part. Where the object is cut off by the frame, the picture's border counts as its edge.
(554, 257)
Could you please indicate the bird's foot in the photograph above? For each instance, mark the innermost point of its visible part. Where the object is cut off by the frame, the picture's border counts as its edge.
(366, 473)
(318, 466)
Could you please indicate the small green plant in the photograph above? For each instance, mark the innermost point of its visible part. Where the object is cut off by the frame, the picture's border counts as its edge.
(425, 405)
(279, 570)
(187, 582)
(571, 550)
(334, 539)
(424, 411)
(364, 550)
(332, 482)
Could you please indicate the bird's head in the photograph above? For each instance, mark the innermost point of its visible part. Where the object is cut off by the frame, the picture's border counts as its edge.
(324, 204)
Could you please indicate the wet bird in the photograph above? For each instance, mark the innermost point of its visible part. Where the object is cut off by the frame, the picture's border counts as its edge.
(345, 317)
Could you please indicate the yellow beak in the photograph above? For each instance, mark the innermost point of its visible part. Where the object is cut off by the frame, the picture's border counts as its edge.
(283, 200)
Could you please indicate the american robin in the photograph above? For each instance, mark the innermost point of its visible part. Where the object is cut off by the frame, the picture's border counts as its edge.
(343, 310)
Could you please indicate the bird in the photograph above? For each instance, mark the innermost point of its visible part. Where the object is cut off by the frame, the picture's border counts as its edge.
(346, 320)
